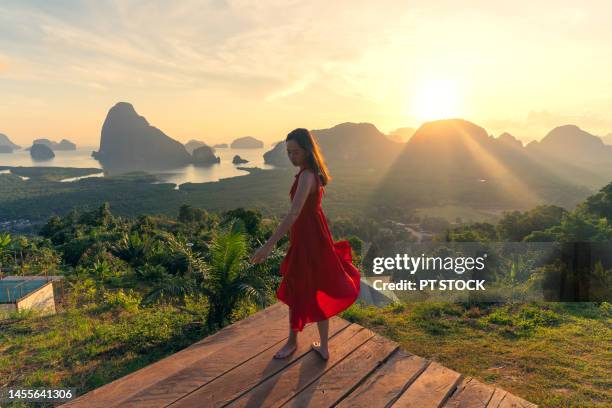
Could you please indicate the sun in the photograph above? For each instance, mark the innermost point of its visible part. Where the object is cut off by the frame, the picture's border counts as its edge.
(435, 99)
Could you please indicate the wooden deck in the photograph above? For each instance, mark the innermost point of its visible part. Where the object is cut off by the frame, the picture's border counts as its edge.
(235, 368)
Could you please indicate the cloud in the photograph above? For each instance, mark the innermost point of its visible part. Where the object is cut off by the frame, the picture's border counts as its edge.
(296, 87)
(268, 49)
(363, 57)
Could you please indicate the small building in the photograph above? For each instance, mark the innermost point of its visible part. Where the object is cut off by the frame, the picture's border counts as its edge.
(28, 292)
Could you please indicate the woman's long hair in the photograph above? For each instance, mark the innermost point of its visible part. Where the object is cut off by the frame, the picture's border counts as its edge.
(308, 142)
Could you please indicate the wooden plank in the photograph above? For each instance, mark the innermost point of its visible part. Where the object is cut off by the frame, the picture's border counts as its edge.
(339, 380)
(232, 384)
(471, 394)
(461, 386)
(431, 389)
(386, 383)
(281, 387)
(234, 367)
(118, 390)
(512, 401)
(496, 399)
(250, 344)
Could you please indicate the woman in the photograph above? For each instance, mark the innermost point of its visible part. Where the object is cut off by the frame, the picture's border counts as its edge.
(319, 278)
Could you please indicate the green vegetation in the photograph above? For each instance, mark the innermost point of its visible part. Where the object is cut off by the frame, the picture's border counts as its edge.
(136, 291)
(354, 192)
(459, 213)
(51, 173)
(93, 342)
(138, 288)
(591, 220)
(552, 354)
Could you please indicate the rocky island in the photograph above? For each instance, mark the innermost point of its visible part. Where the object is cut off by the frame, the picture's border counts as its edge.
(64, 144)
(6, 145)
(205, 156)
(247, 142)
(239, 160)
(128, 141)
(41, 152)
(194, 144)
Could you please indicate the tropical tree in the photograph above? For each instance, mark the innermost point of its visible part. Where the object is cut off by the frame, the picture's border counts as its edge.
(188, 270)
(515, 226)
(230, 278)
(133, 248)
(5, 241)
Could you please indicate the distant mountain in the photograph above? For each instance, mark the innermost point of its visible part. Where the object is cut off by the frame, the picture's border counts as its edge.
(346, 144)
(456, 148)
(6, 142)
(510, 141)
(128, 141)
(277, 156)
(455, 161)
(193, 144)
(40, 151)
(247, 142)
(220, 146)
(64, 144)
(6, 149)
(205, 155)
(401, 135)
(569, 141)
(575, 155)
(607, 139)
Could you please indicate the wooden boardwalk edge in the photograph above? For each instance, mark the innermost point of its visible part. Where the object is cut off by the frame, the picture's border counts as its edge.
(235, 368)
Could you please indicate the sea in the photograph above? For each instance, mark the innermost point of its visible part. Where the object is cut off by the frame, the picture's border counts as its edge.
(81, 157)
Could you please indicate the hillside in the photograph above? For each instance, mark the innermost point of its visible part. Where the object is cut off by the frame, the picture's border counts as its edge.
(455, 161)
(346, 144)
(6, 142)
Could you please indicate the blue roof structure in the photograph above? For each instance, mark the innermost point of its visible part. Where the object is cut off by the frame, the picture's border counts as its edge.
(13, 290)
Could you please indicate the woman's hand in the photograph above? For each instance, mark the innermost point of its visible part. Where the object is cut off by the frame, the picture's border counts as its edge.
(261, 254)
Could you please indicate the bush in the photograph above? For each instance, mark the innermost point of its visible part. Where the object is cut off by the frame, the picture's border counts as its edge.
(119, 299)
(82, 291)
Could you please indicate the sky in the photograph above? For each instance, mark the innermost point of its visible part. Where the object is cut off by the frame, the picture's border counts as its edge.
(217, 70)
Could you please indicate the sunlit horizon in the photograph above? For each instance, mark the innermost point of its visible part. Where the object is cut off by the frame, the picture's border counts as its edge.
(436, 99)
(219, 70)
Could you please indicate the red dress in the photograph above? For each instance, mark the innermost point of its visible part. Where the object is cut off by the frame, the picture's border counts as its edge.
(319, 278)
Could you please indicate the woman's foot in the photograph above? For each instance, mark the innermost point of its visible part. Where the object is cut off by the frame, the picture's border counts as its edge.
(323, 352)
(286, 350)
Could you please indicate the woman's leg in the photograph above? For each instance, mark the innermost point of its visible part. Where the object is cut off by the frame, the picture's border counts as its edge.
(321, 346)
(291, 344)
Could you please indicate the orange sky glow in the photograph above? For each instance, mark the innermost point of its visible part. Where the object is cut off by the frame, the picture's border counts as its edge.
(218, 70)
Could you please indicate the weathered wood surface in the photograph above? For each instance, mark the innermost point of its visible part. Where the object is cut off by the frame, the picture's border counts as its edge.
(235, 368)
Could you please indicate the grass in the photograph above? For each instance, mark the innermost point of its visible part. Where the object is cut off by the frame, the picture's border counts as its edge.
(89, 346)
(97, 338)
(466, 213)
(552, 354)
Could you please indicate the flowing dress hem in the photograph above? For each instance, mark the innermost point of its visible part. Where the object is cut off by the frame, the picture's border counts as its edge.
(307, 319)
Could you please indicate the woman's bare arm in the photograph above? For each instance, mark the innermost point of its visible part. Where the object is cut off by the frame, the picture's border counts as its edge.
(305, 183)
